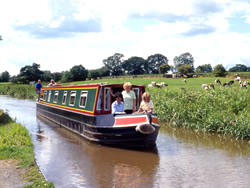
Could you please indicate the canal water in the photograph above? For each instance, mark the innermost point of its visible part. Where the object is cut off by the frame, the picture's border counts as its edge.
(182, 158)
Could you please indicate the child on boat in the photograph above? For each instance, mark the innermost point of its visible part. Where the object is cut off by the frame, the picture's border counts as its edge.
(147, 105)
(117, 105)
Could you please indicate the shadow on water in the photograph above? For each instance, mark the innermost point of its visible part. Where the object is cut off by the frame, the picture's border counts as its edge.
(229, 144)
(97, 166)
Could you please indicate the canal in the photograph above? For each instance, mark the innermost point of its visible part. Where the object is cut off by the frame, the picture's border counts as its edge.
(182, 158)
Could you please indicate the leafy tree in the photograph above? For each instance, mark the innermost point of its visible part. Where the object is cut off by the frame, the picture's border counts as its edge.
(239, 68)
(57, 76)
(184, 59)
(219, 70)
(164, 68)
(94, 73)
(135, 65)
(14, 79)
(114, 64)
(78, 73)
(4, 76)
(67, 77)
(204, 68)
(184, 69)
(155, 61)
(30, 73)
(47, 76)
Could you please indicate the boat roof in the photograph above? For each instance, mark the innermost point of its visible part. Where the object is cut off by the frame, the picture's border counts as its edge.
(90, 85)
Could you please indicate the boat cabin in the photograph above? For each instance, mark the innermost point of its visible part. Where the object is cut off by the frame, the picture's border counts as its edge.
(90, 99)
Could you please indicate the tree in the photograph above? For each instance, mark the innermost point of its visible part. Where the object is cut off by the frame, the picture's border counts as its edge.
(114, 64)
(4, 76)
(184, 59)
(94, 73)
(30, 73)
(184, 69)
(57, 76)
(163, 69)
(204, 68)
(47, 76)
(155, 61)
(67, 77)
(219, 70)
(239, 68)
(135, 65)
(78, 73)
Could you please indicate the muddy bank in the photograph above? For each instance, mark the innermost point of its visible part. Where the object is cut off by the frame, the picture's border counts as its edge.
(12, 176)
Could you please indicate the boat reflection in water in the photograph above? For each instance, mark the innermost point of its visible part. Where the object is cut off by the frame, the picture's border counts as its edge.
(68, 161)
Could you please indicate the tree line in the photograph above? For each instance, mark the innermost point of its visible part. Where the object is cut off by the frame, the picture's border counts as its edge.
(116, 66)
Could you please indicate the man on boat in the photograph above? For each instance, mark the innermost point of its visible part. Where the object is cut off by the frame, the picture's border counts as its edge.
(52, 82)
(38, 87)
(117, 105)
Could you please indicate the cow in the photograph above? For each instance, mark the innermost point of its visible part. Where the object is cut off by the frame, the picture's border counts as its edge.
(217, 81)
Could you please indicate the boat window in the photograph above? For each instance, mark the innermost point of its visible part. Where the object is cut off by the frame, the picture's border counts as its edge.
(136, 90)
(107, 99)
(55, 97)
(99, 101)
(72, 98)
(49, 96)
(64, 97)
(83, 99)
(45, 95)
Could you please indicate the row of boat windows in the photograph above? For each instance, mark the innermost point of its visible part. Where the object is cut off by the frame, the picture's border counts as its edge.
(72, 99)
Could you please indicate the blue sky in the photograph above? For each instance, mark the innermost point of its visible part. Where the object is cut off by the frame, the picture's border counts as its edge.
(59, 34)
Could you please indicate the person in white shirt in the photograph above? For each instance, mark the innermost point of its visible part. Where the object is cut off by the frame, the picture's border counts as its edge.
(129, 98)
(146, 105)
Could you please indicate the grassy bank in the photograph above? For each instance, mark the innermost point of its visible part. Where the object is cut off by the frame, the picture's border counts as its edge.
(224, 110)
(18, 90)
(15, 143)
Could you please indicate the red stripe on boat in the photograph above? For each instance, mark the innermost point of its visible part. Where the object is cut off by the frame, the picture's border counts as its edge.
(130, 120)
(155, 120)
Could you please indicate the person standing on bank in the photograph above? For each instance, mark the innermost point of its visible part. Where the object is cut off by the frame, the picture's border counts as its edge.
(129, 98)
(38, 87)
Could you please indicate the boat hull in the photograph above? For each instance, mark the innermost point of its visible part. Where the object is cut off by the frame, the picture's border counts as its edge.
(103, 129)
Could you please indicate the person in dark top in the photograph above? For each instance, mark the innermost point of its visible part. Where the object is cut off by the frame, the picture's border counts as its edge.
(38, 87)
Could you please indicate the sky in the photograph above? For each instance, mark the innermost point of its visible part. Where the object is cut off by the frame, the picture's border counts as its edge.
(59, 34)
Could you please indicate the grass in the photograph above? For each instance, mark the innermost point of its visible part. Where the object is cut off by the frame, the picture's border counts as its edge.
(16, 143)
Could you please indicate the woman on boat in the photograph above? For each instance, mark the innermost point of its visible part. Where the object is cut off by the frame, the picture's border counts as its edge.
(128, 98)
(117, 105)
(147, 105)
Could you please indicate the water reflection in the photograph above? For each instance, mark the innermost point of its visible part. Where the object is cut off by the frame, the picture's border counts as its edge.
(231, 145)
(183, 157)
(94, 165)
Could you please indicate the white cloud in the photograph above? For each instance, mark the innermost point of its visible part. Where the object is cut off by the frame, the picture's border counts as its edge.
(60, 34)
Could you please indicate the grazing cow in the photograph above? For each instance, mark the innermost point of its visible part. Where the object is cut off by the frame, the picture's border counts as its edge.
(150, 86)
(184, 80)
(204, 85)
(231, 82)
(163, 84)
(217, 81)
(195, 76)
(211, 86)
(153, 83)
(226, 84)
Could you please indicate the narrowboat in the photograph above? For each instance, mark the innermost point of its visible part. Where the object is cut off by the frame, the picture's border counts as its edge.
(86, 110)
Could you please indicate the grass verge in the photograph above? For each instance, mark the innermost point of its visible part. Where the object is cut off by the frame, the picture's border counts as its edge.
(15, 143)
